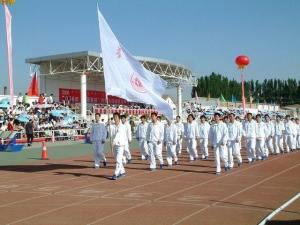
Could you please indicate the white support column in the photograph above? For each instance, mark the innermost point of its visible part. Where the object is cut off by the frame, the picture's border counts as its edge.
(179, 100)
(83, 95)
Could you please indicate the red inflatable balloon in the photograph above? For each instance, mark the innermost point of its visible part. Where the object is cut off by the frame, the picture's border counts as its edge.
(242, 61)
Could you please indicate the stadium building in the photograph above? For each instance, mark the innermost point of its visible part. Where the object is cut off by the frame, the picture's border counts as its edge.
(78, 77)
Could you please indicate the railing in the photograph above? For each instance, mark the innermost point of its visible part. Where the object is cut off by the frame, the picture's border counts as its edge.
(125, 111)
(54, 135)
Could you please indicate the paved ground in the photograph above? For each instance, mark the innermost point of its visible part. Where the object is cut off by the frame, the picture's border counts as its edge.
(68, 190)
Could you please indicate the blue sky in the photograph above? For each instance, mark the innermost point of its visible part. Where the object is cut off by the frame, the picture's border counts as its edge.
(204, 35)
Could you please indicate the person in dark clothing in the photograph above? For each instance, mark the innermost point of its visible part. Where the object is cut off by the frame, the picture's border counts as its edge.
(29, 132)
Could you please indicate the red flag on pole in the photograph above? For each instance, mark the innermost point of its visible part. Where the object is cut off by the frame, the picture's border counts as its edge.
(34, 86)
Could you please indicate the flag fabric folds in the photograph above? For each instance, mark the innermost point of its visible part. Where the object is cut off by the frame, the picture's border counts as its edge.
(33, 89)
(125, 77)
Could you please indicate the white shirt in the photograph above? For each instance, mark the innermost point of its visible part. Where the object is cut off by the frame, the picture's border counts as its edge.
(235, 131)
(119, 134)
(250, 129)
(261, 130)
(270, 130)
(278, 128)
(155, 132)
(290, 128)
(180, 129)
(98, 132)
(142, 130)
(128, 131)
(170, 133)
(191, 130)
(218, 134)
(203, 129)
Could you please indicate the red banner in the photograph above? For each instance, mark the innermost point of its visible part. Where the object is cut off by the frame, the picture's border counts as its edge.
(94, 97)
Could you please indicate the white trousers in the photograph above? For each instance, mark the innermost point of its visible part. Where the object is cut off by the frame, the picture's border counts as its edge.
(298, 142)
(171, 153)
(260, 147)
(118, 153)
(250, 146)
(234, 150)
(203, 142)
(269, 146)
(179, 145)
(98, 152)
(191, 146)
(278, 144)
(143, 148)
(127, 154)
(220, 154)
(290, 143)
(155, 150)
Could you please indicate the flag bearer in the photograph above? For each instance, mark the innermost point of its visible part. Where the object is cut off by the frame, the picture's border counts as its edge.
(119, 140)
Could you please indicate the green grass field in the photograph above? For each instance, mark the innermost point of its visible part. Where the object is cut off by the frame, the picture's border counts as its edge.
(57, 150)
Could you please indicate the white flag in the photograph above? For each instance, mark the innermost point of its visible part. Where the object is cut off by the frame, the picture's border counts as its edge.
(125, 77)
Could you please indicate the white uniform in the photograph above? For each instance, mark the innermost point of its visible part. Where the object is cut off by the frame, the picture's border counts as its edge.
(154, 137)
(203, 138)
(235, 134)
(261, 131)
(119, 140)
(170, 139)
(218, 136)
(270, 131)
(141, 136)
(191, 133)
(180, 132)
(127, 154)
(250, 139)
(290, 132)
(298, 136)
(278, 136)
(98, 135)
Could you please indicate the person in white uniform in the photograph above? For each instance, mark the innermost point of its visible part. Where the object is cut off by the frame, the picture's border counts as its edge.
(191, 133)
(203, 127)
(141, 138)
(278, 135)
(298, 133)
(154, 137)
(98, 137)
(261, 131)
(170, 139)
(218, 136)
(235, 133)
(270, 131)
(162, 127)
(249, 127)
(119, 138)
(290, 133)
(127, 154)
(180, 132)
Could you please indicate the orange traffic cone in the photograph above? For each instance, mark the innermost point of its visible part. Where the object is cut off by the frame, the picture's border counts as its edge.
(44, 151)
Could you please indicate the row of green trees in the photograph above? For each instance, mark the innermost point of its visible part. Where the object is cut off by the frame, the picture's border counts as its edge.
(283, 92)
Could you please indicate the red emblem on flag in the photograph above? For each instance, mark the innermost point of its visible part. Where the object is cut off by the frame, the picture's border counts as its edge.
(137, 84)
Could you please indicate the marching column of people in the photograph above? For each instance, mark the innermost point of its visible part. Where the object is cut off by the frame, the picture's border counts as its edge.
(224, 135)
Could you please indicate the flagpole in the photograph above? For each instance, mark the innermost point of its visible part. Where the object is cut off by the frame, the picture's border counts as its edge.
(109, 124)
